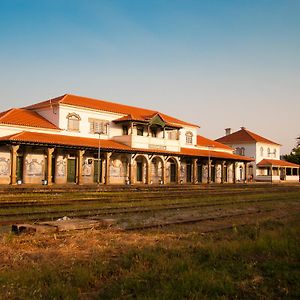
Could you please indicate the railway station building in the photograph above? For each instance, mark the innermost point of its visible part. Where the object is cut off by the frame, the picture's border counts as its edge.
(78, 140)
(266, 165)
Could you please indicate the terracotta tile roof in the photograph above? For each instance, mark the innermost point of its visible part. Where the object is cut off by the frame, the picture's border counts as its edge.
(243, 136)
(24, 117)
(205, 142)
(214, 154)
(276, 163)
(72, 141)
(106, 106)
(131, 117)
(63, 140)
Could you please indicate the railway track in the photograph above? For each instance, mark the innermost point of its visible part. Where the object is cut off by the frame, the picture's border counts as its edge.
(124, 198)
(114, 211)
(37, 207)
(197, 220)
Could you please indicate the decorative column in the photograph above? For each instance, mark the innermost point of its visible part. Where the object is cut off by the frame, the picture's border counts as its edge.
(107, 163)
(131, 128)
(195, 171)
(234, 172)
(131, 170)
(49, 165)
(209, 171)
(148, 171)
(163, 166)
(14, 150)
(79, 168)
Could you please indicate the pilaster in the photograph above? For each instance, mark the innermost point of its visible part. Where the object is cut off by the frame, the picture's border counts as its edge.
(79, 169)
(14, 149)
(49, 165)
(107, 164)
(195, 171)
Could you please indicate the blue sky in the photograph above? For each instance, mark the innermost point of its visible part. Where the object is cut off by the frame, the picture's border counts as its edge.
(216, 63)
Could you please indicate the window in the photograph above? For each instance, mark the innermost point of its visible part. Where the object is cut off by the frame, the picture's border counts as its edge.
(242, 151)
(189, 138)
(274, 153)
(73, 122)
(98, 126)
(153, 132)
(261, 151)
(269, 152)
(125, 130)
(237, 150)
(140, 131)
(173, 135)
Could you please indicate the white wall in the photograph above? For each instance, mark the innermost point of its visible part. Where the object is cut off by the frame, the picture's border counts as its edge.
(50, 113)
(182, 137)
(265, 155)
(6, 130)
(84, 124)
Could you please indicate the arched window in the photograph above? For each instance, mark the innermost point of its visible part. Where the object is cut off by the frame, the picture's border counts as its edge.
(242, 151)
(275, 152)
(269, 152)
(237, 150)
(189, 137)
(261, 151)
(73, 121)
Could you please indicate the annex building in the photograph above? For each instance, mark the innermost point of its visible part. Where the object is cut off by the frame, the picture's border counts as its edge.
(79, 140)
(266, 165)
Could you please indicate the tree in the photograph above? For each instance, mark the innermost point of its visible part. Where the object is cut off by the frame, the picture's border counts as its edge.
(294, 156)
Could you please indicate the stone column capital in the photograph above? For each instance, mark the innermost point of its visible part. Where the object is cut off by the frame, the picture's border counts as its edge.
(14, 148)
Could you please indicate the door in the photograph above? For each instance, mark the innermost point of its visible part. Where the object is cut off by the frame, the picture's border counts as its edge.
(172, 172)
(188, 173)
(225, 174)
(53, 169)
(199, 173)
(71, 177)
(19, 167)
(282, 173)
(212, 173)
(241, 174)
(96, 170)
(139, 171)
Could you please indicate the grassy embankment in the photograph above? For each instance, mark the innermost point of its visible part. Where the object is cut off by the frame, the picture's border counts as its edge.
(260, 261)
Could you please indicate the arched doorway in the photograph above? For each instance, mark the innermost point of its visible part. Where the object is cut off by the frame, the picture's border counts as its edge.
(186, 170)
(241, 173)
(141, 169)
(156, 170)
(199, 171)
(171, 171)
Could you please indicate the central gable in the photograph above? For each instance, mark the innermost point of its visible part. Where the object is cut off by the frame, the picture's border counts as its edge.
(157, 120)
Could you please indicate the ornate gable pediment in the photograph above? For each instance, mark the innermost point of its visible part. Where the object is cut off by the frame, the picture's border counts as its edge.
(157, 120)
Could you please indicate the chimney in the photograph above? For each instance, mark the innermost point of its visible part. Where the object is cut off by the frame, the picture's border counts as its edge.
(228, 131)
(243, 128)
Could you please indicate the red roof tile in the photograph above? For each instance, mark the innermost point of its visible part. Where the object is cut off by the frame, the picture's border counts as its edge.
(56, 139)
(205, 142)
(146, 119)
(243, 136)
(276, 163)
(23, 117)
(214, 154)
(63, 140)
(106, 106)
